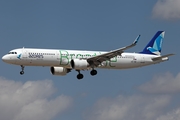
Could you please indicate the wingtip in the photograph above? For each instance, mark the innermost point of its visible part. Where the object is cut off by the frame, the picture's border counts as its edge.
(172, 54)
(137, 39)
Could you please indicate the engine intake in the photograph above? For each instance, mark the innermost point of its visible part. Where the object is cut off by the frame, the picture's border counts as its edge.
(59, 71)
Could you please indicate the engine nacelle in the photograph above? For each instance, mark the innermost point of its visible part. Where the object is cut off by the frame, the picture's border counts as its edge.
(79, 64)
(59, 71)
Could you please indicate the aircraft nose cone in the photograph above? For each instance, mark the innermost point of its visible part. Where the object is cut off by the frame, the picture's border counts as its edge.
(4, 58)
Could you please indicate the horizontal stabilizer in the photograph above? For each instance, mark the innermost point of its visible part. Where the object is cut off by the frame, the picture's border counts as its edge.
(161, 57)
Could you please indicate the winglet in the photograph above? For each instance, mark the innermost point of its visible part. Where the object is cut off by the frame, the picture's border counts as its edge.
(136, 40)
(132, 45)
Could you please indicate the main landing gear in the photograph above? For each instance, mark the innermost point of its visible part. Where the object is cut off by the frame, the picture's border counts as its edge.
(93, 72)
(22, 70)
(80, 76)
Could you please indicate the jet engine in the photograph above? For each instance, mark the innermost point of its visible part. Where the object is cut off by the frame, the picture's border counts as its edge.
(79, 64)
(59, 71)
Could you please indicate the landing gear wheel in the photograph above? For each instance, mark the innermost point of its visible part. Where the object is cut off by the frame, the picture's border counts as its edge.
(22, 72)
(93, 72)
(80, 76)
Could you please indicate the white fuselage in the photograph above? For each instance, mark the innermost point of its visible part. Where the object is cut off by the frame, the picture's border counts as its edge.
(62, 58)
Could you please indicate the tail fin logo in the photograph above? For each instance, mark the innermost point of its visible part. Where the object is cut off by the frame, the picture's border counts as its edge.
(152, 50)
(155, 45)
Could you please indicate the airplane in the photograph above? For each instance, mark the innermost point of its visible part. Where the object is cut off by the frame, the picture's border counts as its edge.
(62, 62)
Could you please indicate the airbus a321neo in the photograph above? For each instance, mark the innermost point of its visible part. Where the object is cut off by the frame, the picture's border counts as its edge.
(62, 62)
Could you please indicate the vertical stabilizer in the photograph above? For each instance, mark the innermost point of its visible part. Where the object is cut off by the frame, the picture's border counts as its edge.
(155, 45)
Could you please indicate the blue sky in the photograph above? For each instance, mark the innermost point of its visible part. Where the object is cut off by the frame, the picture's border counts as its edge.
(147, 93)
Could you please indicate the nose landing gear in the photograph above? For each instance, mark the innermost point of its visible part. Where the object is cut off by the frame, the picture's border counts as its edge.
(22, 70)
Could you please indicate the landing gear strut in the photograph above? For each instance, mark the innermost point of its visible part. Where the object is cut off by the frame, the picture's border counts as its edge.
(22, 70)
(79, 76)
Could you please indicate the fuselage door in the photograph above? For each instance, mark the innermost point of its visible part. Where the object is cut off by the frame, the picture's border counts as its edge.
(24, 54)
(142, 59)
(58, 55)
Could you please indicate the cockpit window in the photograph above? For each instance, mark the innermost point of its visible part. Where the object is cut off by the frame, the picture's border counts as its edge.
(12, 53)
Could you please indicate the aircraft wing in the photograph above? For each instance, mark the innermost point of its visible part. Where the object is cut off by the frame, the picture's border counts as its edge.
(97, 60)
(161, 57)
